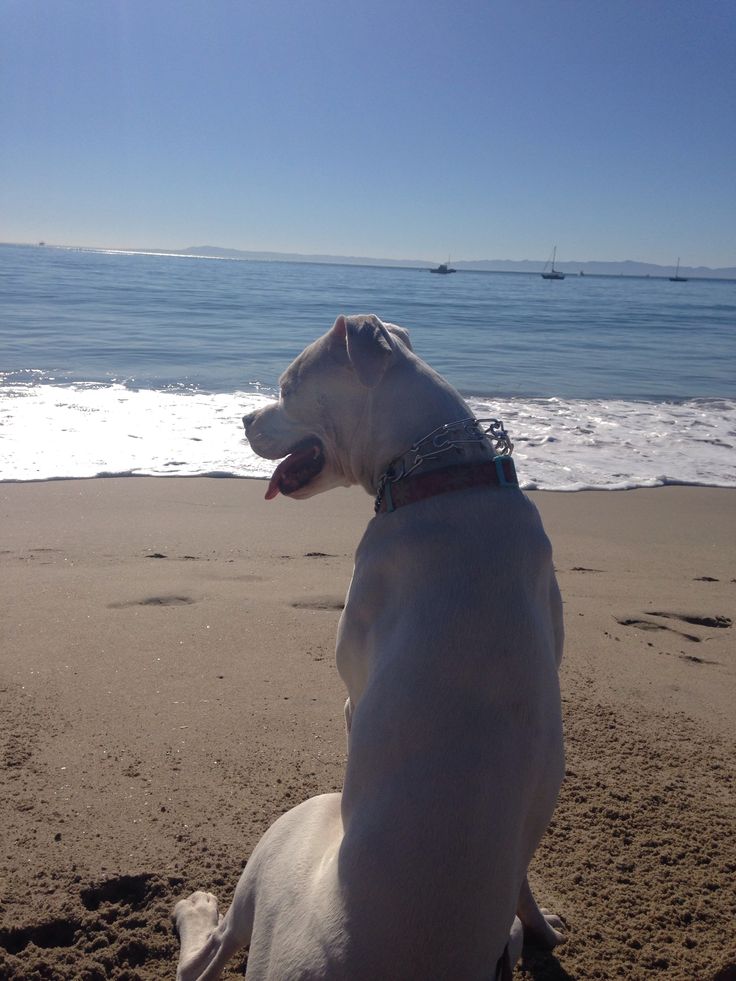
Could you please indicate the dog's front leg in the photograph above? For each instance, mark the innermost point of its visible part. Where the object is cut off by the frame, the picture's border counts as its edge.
(348, 717)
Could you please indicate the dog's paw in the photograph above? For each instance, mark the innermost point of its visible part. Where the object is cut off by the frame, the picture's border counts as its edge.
(554, 932)
(546, 930)
(196, 916)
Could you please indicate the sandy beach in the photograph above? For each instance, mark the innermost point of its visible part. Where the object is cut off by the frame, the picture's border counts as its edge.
(168, 689)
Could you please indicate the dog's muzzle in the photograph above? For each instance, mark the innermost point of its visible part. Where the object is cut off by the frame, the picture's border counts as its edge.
(304, 462)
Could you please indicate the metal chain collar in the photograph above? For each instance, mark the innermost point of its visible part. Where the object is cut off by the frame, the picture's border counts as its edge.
(440, 441)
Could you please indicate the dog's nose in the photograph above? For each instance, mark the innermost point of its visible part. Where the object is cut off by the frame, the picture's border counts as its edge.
(248, 419)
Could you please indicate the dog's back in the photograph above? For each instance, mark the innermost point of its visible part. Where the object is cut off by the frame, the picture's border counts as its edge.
(449, 647)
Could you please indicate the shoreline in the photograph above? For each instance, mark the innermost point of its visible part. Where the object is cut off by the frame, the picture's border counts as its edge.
(533, 492)
(168, 689)
(108, 431)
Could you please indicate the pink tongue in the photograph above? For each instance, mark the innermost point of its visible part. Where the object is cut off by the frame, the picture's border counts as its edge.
(273, 484)
(294, 460)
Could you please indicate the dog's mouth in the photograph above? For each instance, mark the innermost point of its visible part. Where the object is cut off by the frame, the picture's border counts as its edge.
(302, 465)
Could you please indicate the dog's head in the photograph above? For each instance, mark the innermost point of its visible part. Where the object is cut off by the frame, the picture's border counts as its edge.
(319, 423)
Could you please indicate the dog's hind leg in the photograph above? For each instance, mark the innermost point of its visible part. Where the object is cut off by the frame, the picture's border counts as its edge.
(541, 927)
(209, 940)
(511, 954)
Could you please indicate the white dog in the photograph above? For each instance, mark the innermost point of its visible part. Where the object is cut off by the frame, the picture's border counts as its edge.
(449, 646)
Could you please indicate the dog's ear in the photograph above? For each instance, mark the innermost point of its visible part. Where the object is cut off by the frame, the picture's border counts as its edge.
(370, 347)
(402, 333)
(337, 338)
(338, 331)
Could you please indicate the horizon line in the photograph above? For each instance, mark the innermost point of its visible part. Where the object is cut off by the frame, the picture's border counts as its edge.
(322, 258)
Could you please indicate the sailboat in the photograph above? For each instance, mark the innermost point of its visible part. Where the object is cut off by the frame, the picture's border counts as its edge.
(552, 273)
(677, 278)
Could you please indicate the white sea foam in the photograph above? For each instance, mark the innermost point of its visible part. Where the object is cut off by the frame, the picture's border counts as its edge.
(87, 430)
(614, 444)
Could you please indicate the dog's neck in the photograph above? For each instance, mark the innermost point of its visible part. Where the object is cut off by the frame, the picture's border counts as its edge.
(410, 402)
(467, 440)
(455, 444)
(411, 420)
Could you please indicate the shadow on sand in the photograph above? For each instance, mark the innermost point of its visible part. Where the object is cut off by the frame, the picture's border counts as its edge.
(542, 965)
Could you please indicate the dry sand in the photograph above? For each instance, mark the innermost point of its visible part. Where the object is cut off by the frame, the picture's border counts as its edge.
(168, 689)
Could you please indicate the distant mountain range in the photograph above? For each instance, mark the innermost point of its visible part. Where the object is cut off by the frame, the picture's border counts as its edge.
(625, 268)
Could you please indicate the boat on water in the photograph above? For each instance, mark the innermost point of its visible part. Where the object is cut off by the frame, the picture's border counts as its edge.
(677, 278)
(552, 273)
(443, 269)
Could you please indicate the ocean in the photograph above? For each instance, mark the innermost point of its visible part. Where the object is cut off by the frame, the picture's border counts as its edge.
(115, 363)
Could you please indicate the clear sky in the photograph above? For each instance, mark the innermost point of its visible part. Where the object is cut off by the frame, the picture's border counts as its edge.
(391, 128)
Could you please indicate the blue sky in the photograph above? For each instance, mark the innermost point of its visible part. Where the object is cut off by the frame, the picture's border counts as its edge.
(392, 128)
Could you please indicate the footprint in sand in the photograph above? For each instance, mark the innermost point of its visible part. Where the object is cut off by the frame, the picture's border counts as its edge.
(154, 601)
(640, 624)
(115, 929)
(162, 555)
(129, 890)
(695, 618)
(699, 620)
(52, 933)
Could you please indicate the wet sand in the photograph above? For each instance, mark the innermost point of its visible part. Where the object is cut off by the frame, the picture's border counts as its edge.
(168, 689)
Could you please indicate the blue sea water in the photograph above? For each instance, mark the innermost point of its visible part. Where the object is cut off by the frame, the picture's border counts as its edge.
(143, 363)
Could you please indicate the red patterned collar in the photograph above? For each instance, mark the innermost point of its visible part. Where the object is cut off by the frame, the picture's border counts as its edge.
(498, 472)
